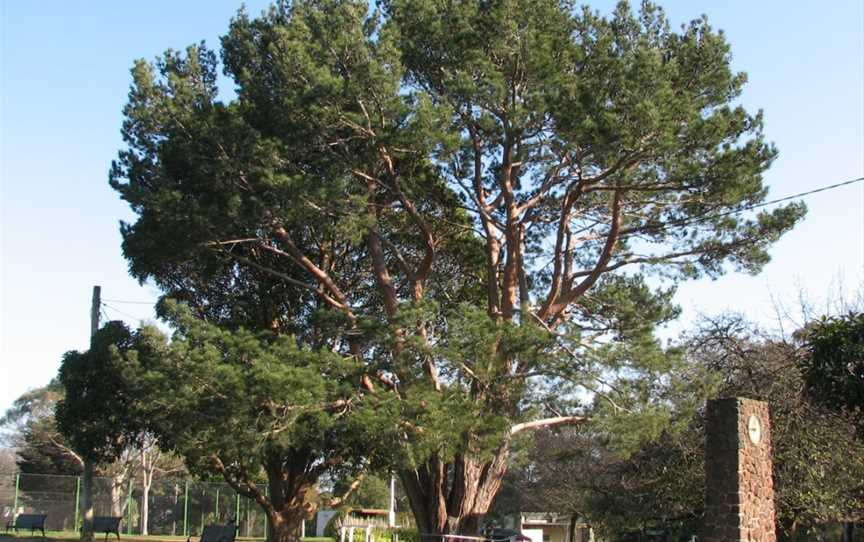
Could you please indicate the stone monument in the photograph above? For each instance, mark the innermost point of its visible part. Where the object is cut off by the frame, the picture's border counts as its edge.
(739, 500)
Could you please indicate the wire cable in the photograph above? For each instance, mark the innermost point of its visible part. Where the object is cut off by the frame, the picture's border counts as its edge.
(131, 302)
(709, 216)
(126, 314)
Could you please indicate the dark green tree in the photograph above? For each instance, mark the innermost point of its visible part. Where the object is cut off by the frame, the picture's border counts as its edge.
(97, 413)
(834, 366)
(467, 198)
(834, 370)
(267, 415)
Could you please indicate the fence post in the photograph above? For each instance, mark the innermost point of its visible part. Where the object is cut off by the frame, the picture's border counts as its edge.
(15, 506)
(77, 501)
(129, 509)
(186, 509)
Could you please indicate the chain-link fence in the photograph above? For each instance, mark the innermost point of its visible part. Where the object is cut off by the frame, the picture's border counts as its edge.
(171, 507)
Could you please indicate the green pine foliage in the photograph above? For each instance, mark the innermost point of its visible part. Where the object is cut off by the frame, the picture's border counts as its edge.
(268, 414)
(243, 403)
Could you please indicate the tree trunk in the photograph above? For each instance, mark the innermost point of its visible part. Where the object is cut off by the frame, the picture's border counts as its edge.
(285, 525)
(145, 503)
(117, 494)
(848, 531)
(286, 506)
(147, 471)
(785, 530)
(453, 498)
(87, 501)
(571, 529)
(173, 515)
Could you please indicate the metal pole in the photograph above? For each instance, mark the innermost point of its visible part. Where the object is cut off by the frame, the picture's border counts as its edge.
(247, 518)
(391, 512)
(186, 509)
(87, 493)
(15, 506)
(237, 513)
(218, 519)
(129, 509)
(203, 492)
(77, 502)
(266, 494)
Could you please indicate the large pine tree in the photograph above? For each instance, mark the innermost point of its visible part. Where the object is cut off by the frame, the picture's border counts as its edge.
(471, 199)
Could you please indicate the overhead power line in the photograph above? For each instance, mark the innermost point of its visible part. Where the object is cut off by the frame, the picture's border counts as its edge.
(786, 198)
(815, 190)
(711, 216)
(131, 302)
(126, 314)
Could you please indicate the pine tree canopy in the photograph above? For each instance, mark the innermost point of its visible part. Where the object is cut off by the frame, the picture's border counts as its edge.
(487, 205)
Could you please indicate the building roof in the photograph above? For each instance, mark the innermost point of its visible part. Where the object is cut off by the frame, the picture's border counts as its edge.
(547, 518)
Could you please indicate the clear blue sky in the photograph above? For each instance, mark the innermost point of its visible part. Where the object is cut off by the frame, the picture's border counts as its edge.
(64, 75)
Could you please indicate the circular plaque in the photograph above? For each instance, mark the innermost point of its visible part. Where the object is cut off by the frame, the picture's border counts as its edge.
(754, 429)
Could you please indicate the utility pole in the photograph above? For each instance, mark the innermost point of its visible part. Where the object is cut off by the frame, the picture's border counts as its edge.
(94, 312)
(87, 493)
(391, 513)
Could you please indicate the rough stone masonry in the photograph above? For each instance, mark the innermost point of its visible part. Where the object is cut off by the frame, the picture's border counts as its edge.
(739, 500)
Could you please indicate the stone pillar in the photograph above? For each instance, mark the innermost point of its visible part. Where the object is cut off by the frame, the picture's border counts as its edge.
(739, 500)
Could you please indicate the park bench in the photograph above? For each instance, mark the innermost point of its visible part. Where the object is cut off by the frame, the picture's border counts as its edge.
(33, 522)
(217, 533)
(107, 525)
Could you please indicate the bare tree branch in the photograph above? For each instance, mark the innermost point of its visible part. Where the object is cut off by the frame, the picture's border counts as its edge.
(546, 422)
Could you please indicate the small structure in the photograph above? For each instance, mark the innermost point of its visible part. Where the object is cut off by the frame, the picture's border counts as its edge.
(552, 527)
(739, 500)
(321, 520)
(366, 516)
(363, 522)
